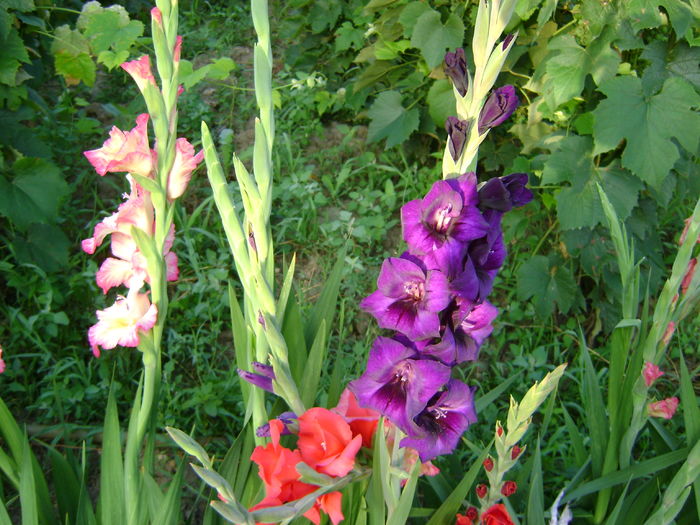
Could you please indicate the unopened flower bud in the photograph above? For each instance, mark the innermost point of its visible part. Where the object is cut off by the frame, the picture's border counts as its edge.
(668, 333)
(689, 273)
(178, 49)
(140, 71)
(507, 40)
(488, 464)
(481, 491)
(509, 488)
(157, 16)
(499, 429)
(515, 452)
(498, 107)
(456, 69)
(262, 378)
(472, 513)
(457, 131)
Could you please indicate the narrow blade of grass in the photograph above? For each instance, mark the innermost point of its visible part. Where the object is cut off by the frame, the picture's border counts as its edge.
(535, 501)
(112, 502)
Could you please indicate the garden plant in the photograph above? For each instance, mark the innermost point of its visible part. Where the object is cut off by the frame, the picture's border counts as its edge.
(376, 262)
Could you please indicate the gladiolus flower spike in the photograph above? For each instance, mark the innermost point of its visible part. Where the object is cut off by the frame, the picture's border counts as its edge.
(434, 299)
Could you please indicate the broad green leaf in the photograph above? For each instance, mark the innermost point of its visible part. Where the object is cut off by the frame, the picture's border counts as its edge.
(441, 101)
(547, 282)
(390, 120)
(410, 15)
(112, 59)
(348, 37)
(44, 245)
(32, 193)
(20, 5)
(645, 14)
(69, 41)
(680, 60)
(107, 30)
(434, 38)
(75, 68)
(648, 124)
(112, 505)
(221, 68)
(568, 65)
(12, 54)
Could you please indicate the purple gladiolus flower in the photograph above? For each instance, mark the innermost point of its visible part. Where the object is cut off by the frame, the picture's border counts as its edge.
(397, 383)
(262, 378)
(437, 429)
(472, 325)
(456, 69)
(447, 214)
(487, 255)
(505, 193)
(457, 131)
(409, 298)
(287, 418)
(498, 107)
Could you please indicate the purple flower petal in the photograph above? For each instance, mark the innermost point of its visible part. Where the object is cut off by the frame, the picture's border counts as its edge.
(456, 70)
(498, 107)
(457, 131)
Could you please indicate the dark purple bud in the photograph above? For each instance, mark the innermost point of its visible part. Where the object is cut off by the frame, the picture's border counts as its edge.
(457, 131)
(287, 418)
(498, 107)
(504, 193)
(456, 69)
(261, 320)
(262, 379)
(251, 241)
(507, 41)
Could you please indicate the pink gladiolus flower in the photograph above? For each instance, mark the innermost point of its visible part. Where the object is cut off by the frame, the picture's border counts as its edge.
(140, 71)
(651, 373)
(185, 163)
(157, 16)
(125, 151)
(2, 362)
(120, 323)
(664, 408)
(178, 49)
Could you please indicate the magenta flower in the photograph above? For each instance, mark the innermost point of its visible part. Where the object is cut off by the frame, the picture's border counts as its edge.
(651, 373)
(397, 383)
(666, 408)
(500, 105)
(447, 214)
(437, 429)
(409, 298)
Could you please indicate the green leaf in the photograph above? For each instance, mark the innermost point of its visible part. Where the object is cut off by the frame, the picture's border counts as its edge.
(44, 245)
(107, 30)
(390, 120)
(568, 65)
(535, 500)
(112, 505)
(221, 68)
(27, 490)
(593, 408)
(434, 39)
(69, 41)
(645, 14)
(680, 61)
(112, 59)
(314, 366)
(547, 283)
(648, 124)
(12, 54)
(410, 14)
(441, 101)
(348, 37)
(75, 68)
(33, 194)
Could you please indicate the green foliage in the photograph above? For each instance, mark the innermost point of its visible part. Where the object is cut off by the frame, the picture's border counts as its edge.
(549, 282)
(390, 120)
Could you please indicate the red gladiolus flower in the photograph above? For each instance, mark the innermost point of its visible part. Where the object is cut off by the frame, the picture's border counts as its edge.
(326, 442)
(488, 464)
(496, 515)
(481, 491)
(362, 421)
(463, 520)
(509, 488)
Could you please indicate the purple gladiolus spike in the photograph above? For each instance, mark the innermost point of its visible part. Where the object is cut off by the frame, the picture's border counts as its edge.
(445, 215)
(397, 383)
(456, 69)
(409, 298)
(437, 429)
(504, 193)
(498, 107)
(457, 131)
(262, 378)
(454, 262)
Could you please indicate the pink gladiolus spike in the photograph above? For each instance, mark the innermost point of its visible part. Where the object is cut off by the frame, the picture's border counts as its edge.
(120, 323)
(125, 151)
(651, 373)
(665, 408)
(140, 71)
(157, 16)
(113, 272)
(178, 49)
(185, 162)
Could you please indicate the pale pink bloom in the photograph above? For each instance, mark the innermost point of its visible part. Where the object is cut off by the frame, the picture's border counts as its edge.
(651, 373)
(140, 71)
(157, 16)
(2, 362)
(185, 162)
(668, 333)
(664, 408)
(125, 151)
(121, 323)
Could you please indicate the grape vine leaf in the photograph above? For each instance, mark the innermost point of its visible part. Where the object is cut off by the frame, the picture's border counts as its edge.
(107, 30)
(681, 61)
(645, 14)
(32, 193)
(12, 54)
(44, 245)
(568, 64)
(579, 206)
(433, 38)
(390, 120)
(410, 15)
(75, 68)
(648, 124)
(441, 101)
(548, 282)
